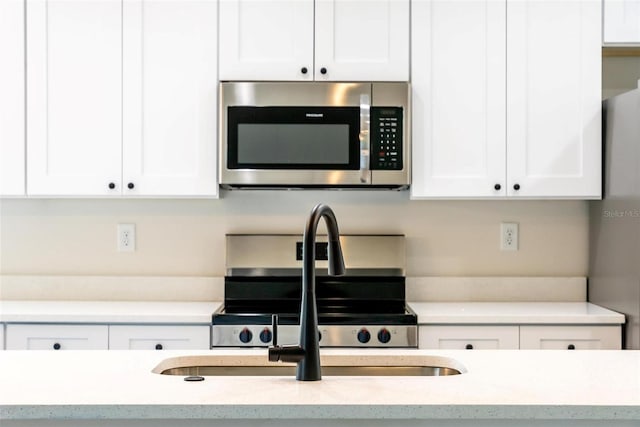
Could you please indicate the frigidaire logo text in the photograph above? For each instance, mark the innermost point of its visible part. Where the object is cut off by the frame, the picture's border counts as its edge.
(315, 115)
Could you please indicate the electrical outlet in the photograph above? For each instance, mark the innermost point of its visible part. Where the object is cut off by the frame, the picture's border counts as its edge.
(126, 237)
(509, 236)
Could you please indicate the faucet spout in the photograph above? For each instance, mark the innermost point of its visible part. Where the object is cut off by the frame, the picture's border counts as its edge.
(307, 353)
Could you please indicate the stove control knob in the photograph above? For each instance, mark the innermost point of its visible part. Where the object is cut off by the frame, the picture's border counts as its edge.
(384, 336)
(266, 335)
(364, 336)
(245, 335)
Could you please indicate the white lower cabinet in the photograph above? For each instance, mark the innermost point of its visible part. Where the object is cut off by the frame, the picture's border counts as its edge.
(56, 337)
(524, 337)
(570, 337)
(103, 337)
(159, 337)
(468, 337)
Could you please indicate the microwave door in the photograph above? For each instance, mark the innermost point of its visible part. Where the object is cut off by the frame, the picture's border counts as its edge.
(295, 146)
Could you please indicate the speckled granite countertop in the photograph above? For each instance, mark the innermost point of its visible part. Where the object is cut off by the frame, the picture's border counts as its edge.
(539, 313)
(503, 384)
(107, 312)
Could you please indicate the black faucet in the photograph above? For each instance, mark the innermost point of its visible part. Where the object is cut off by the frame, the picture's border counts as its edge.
(307, 353)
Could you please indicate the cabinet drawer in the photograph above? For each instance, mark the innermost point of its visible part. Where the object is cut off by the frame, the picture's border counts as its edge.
(468, 337)
(570, 337)
(56, 337)
(159, 337)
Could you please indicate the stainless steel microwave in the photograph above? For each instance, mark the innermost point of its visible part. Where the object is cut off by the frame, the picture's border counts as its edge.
(314, 135)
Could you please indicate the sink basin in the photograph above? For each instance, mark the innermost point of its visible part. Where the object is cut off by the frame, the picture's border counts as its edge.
(331, 366)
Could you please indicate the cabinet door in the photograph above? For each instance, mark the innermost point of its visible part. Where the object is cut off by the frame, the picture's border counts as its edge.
(169, 87)
(74, 102)
(159, 337)
(12, 137)
(468, 337)
(266, 39)
(621, 21)
(554, 98)
(458, 79)
(362, 40)
(57, 337)
(570, 337)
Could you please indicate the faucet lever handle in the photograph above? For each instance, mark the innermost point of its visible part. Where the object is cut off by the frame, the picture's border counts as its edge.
(274, 328)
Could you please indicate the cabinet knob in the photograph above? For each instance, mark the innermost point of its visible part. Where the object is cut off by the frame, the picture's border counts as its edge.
(112, 185)
(469, 347)
(571, 347)
(497, 187)
(304, 70)
(516, 187)
(57, 346)
(158, 346)
(323, 70)
(130, 186)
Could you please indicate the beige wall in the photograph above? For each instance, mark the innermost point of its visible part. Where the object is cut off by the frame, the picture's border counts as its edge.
(619, 75)
(186, 237)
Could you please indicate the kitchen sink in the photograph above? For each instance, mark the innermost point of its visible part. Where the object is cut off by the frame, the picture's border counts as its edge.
(331, 366)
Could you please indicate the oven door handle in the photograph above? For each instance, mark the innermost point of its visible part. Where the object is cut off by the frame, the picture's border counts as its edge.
(274, 330)
(365, 118)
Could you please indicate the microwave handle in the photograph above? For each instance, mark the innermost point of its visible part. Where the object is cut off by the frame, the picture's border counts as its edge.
(365, 117)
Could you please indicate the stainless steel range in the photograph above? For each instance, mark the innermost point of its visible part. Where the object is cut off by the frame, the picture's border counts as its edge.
(364, 308)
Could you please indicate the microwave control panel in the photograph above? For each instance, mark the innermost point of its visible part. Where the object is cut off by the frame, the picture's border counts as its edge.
(386, 138)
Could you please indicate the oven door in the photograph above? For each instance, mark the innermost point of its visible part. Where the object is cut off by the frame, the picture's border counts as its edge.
(319, 138)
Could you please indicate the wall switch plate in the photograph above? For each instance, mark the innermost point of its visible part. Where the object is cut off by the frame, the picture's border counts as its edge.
(509, 236)
(126, 237)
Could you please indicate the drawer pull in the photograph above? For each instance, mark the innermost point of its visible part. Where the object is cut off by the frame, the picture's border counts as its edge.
(571, 347)
(469, 347)
(158, 346)
(57, 346)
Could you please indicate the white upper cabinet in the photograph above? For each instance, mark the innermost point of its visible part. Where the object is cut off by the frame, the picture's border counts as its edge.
(121, 98)
(362, 40)
(554, 119)
(459, 116)
(621, 22)
(12, 119)
(169, 108)
(266, 40)
(333, 40)
(74, 97)
(517, 121)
